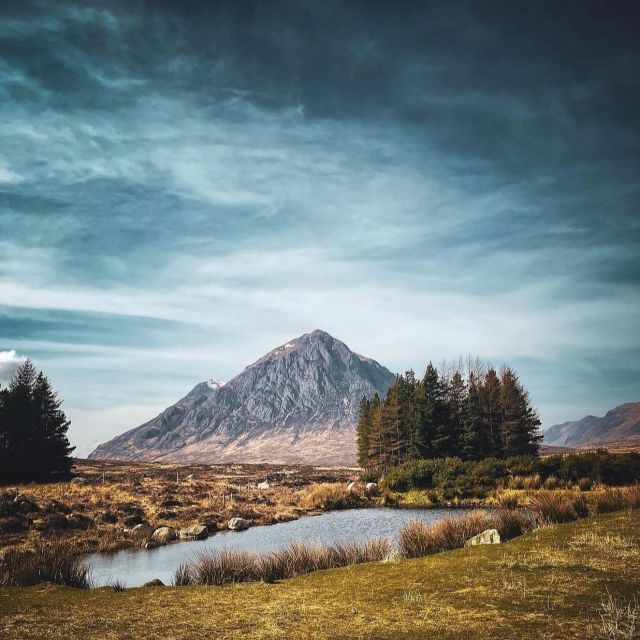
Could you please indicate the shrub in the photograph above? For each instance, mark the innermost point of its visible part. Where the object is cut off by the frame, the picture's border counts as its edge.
(585, 484)
(55, 562)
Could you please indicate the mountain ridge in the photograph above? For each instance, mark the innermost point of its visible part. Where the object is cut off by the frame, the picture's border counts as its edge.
(296, 404)
(617, 426)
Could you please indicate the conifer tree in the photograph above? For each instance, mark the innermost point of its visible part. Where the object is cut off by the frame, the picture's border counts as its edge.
(471, 446)
(363, 430)
(456, 406)
(490, 395)
(519, 420)
(52, 451)
(33, 427)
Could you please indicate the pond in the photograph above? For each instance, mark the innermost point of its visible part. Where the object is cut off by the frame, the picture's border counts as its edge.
(134, 567)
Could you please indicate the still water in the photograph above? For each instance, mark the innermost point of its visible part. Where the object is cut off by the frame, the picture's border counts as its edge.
(134, 567)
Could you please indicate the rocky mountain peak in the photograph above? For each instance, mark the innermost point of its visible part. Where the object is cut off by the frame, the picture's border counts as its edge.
(298, 403)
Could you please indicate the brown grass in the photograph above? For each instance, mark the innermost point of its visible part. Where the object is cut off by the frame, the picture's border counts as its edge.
(119, 494)
(55, 562)
(329, 496)
(229, 566)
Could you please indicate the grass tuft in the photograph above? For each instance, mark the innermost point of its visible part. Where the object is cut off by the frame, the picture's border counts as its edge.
(620, 618)
(55, 562)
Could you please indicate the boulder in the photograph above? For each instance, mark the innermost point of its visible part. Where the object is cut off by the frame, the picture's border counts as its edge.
(351, 487)
(151, 544)
(371, 487)
(156, 582)
(78, 480)
(163, 535)
(194, 532)
(263, 485)
(142, 530)
(490, 536)
(238, 524)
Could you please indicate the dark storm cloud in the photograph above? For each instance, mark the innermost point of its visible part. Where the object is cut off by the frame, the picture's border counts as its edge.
(191, 183)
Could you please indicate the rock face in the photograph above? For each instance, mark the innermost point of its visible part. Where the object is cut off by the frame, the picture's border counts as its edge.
(490, 536)
(297, 404)
(619, 426)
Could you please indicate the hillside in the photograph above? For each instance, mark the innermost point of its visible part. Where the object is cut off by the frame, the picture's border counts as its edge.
(619, 426)
(296, 404)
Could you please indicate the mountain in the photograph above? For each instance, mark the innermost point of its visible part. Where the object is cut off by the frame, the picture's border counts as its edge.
(297, 404)
(620, 427)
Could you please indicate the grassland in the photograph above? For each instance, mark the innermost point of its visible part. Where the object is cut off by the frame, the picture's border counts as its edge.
(563, 581)
(116, 495)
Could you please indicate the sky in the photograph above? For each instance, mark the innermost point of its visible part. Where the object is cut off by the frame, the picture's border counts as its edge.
(185, 186)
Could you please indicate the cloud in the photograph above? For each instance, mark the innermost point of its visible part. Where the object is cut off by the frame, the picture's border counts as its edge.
(9, 363)
(224, 180)
(7, 176)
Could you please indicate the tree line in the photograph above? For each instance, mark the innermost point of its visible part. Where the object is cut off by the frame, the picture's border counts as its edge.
(33, 430)
(471, 414)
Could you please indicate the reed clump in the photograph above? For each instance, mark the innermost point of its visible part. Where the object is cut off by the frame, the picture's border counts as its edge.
(50, 561)
(328, 496)
(228, 566)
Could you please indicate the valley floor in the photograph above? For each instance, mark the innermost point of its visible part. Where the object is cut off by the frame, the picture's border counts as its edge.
(558, 582)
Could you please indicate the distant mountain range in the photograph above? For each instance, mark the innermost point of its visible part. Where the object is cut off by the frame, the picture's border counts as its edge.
(619, 428)
(297, 404)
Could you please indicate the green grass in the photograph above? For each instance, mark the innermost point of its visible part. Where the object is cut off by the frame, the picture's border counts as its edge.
(547, 584)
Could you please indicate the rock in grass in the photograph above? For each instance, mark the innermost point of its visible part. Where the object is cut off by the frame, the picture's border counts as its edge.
(351, 487)
(194, 532)
(163, 535)
(371, 487)
(490, 536)
(141, 530)
(238, 524)
(156, 582)
(78, 480)
(263, 485)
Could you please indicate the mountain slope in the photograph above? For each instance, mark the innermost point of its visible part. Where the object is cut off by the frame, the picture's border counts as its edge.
(298, 403)
(619, 425)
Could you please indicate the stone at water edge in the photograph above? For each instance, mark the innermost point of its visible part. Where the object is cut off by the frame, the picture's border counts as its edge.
(141, 530)
(490, 536)
(194, 532)
(156, 582)
(238, 524)
(151, 544)
(163, 535)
